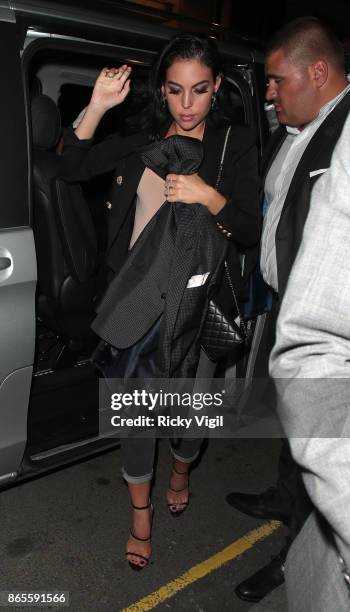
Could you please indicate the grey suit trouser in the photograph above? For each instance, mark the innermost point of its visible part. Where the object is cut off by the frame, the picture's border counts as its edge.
(314, 578)
(138, 453)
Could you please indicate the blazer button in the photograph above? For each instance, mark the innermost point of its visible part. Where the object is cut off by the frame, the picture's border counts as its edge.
(109, 205)
(119, 179)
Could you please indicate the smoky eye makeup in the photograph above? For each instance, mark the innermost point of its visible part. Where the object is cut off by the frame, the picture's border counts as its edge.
(197, 90)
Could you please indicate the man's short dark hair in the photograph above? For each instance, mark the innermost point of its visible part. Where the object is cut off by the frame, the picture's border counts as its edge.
(306, 40)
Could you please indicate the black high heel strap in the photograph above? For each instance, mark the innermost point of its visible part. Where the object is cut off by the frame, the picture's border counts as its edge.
(137, 538)
(180, 473)
(141, 507)
(134, 554)
(178, 490)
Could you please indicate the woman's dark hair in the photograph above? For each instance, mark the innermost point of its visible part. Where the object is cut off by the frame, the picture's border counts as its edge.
(156, 117)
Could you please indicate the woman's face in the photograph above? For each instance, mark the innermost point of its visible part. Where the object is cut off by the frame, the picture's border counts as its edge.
(188, 89)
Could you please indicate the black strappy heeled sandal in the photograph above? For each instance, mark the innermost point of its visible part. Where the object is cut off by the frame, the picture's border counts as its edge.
(175, 505)
(144, 560)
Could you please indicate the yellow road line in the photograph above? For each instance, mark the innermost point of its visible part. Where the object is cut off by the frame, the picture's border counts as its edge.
(202, 569)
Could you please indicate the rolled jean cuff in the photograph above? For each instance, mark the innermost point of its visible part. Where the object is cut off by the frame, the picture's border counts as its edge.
(136, 479)
(184, 459)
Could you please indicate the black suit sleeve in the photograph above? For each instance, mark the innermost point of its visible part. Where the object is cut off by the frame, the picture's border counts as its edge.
(241, 215)
(83, 159)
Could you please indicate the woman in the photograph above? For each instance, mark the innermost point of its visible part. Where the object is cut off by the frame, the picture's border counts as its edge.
(184, 101)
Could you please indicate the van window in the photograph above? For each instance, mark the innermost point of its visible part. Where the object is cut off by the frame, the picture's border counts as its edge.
(14, 206)
(72, 99)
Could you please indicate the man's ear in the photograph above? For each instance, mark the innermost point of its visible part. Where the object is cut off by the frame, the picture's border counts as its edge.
(319, 73)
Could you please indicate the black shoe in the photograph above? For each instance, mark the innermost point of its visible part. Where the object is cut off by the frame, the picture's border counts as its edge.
(265, 505)
(263, 581)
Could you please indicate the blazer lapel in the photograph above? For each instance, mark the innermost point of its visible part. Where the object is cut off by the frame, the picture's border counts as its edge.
(320, 146)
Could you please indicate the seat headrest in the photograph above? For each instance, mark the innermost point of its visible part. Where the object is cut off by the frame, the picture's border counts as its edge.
(46, 122)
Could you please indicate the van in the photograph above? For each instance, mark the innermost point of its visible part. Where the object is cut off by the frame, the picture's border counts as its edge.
(52, 236)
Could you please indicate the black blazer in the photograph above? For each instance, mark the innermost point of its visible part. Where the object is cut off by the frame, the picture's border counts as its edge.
(316, 156)
(160, 275)
(240, 184)
(179, 243)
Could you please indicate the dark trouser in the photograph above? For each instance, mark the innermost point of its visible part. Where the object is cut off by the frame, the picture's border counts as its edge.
(138, 453)
(290, 486)
(138, 456)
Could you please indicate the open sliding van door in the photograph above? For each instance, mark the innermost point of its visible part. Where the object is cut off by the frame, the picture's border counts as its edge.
(17, 256)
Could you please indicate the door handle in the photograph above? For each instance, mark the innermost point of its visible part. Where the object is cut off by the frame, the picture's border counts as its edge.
(5, 262)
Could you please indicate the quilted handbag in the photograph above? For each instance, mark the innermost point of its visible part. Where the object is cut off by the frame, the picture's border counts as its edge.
(222, 336)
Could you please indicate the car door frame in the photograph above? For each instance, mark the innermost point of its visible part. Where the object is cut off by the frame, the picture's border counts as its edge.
(17, 257)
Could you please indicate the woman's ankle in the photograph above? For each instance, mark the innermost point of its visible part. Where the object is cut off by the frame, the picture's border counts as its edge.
(140, 495)
(142, 521)
(180, 467)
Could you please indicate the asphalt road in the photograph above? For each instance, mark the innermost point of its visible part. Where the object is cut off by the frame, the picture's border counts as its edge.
(66, 531)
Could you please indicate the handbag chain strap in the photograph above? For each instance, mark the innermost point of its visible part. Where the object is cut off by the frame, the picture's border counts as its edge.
(228, 276)
(242, 322)
(222, 157)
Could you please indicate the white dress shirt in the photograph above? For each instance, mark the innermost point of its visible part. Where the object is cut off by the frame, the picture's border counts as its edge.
(277, 184)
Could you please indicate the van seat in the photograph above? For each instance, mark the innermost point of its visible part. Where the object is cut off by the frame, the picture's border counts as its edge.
(64, 233)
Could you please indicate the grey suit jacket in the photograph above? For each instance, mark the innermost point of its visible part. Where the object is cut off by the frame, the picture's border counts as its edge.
(311, 358)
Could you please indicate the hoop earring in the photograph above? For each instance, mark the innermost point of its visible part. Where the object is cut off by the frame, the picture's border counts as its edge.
(213, 101)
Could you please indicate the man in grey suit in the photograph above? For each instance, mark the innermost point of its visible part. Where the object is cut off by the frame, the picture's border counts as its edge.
(306, 82)
(311, 365)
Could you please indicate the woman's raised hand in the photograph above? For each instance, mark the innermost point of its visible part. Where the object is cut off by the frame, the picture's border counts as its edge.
(111, 88)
